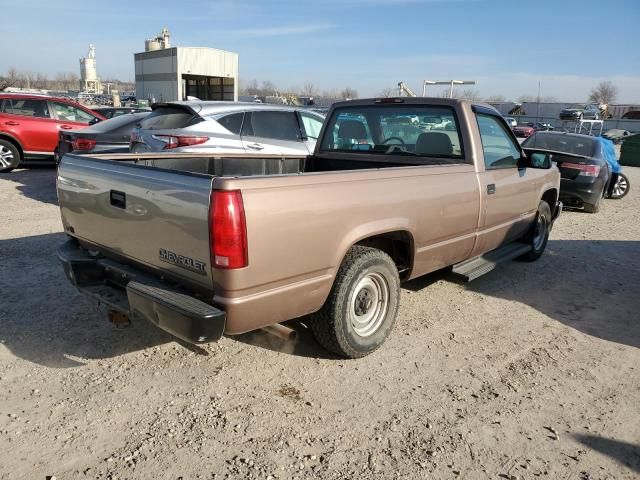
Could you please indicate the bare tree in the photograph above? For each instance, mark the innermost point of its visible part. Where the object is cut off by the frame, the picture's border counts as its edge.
(468, 94)
(11, 79)
(310, 90)
(604, 93)
(388, 92)
(496, 99)
(349, 93)
(268, 88)
(250, 88)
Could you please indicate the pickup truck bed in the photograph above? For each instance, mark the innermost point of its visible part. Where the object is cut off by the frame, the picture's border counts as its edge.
(253, 241)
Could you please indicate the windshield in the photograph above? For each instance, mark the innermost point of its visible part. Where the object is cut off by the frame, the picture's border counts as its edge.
(413, 130)
(578, 145)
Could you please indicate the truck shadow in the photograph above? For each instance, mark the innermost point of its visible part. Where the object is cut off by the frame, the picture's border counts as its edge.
(37, 182)
(591, 286)
(624, 453)
(45, 320)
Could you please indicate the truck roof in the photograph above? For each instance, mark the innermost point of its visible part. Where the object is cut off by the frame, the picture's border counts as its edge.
(411, 101)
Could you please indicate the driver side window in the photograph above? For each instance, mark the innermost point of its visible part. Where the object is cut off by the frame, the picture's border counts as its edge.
(500, 150)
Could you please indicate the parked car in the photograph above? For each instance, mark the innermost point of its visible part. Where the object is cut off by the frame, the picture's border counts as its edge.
(227, 127)
(112, 136)
(581, 112)
(538, 126)
(583, 168)
(523, 131)
(110, 112)
(29, 126)
(632, 115)
(512, 122)
(332, 237)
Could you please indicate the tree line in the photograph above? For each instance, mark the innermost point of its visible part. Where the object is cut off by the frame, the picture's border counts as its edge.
(268, 88)
(62, 81)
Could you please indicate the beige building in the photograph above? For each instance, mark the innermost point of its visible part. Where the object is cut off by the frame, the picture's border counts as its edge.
(175, 73)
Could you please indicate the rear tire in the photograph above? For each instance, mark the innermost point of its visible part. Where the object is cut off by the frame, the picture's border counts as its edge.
(362, 306)
(538, 235)
(9, 156)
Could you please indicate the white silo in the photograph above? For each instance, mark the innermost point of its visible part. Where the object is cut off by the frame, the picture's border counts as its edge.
(89, 80)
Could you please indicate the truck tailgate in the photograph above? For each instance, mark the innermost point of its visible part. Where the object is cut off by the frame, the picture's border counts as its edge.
(158, 218)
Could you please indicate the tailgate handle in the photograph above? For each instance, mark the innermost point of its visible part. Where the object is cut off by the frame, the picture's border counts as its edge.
(118, 199)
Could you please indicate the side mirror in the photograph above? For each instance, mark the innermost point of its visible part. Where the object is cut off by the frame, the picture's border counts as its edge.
(94, 120)
(540, 160)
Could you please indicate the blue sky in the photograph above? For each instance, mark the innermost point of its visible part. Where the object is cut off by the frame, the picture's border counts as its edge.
(507, 46)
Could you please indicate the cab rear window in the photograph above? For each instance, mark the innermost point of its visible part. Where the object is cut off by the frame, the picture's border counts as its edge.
(405, 130)
(169, 118)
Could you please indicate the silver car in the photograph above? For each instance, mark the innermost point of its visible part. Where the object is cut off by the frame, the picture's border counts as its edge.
(227, 127)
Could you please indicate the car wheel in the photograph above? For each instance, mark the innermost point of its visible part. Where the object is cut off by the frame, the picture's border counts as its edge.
(538, 234)
(362, 306)
(621, 188)
(9, 156)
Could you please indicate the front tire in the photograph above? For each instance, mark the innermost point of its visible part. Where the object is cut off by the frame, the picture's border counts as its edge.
(621, 187)
(9, 156)
(362, 306)
(538, 235)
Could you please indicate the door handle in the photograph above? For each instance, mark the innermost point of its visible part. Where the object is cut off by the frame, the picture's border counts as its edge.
(491, 189)
(66, 127)
(255, 146)
(11, 122)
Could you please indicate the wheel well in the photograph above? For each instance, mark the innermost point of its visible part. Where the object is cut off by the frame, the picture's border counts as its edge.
(551, 197)
(398, 245)
(12, 140)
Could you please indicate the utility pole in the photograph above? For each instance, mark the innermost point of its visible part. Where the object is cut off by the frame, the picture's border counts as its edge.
(538, 105)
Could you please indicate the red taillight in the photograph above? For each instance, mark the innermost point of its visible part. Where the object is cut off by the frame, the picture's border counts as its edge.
(586, 170)
(83, 144)
(228, 230)
(172, 141)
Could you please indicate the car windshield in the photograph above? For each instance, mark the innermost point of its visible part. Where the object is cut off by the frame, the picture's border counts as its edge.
(577, 145)
(412, 130)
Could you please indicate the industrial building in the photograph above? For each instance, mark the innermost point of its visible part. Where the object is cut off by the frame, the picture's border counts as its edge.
(165, 73)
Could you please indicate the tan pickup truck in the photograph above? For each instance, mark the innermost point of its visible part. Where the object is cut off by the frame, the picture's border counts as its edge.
(206, 245)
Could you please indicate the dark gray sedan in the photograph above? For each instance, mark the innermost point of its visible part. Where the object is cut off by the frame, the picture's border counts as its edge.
(584, 172)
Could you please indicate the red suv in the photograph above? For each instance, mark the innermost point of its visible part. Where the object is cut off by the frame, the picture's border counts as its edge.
(29, 126)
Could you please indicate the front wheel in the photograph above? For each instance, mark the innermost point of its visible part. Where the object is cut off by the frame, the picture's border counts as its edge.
(538, 235)
(620, 188)
(362, 306)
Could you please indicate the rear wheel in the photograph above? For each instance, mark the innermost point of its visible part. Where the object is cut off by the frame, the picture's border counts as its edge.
(362, 306)
(538, 235)
(9, 156)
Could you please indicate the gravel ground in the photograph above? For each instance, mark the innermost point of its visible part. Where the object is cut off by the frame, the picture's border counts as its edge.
(532, 371)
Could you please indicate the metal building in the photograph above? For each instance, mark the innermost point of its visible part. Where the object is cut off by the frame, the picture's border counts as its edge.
(165, 73)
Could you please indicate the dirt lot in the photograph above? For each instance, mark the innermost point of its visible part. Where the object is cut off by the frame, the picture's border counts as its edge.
(532, 371)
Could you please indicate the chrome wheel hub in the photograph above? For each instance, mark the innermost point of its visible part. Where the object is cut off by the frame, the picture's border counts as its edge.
(369, 304)
(6, 157)
(620, 187)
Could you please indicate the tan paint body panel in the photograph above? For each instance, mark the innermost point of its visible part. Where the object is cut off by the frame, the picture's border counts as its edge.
(300, 226)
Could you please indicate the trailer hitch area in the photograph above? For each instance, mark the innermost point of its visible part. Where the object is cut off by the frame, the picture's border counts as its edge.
(119, 319)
